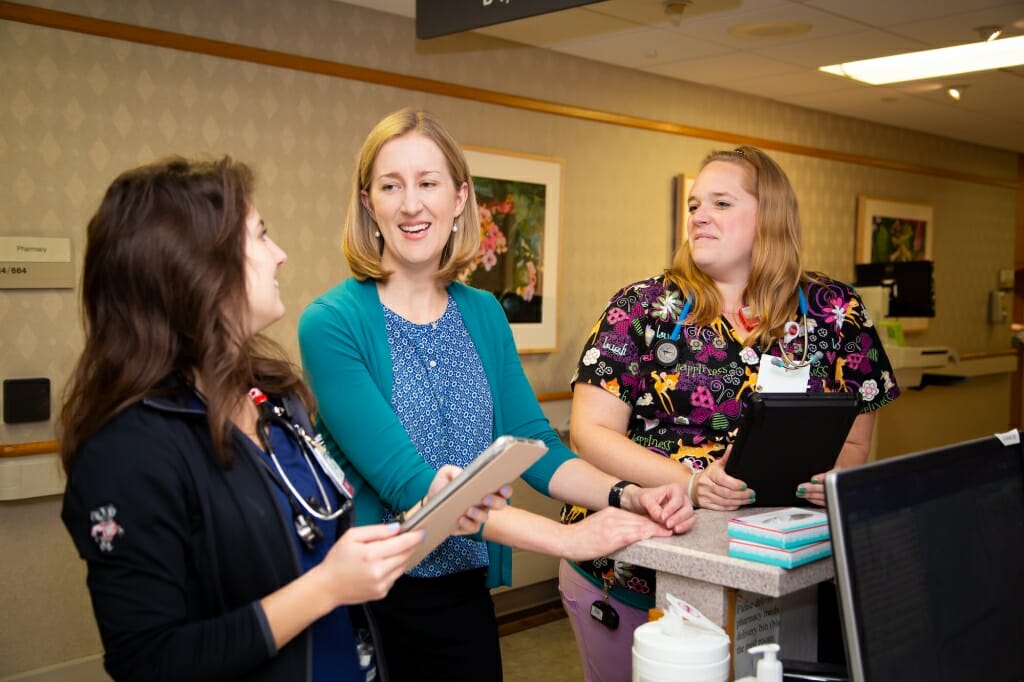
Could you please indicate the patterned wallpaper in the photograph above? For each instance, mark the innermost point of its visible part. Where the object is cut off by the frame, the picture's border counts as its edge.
(79, 109)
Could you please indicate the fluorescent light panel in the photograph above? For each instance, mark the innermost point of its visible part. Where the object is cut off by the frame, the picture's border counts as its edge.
(946, 61)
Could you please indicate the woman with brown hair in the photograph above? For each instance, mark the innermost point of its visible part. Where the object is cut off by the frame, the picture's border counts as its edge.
(213, 523)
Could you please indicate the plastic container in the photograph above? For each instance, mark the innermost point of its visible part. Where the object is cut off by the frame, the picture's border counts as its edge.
(681, 646)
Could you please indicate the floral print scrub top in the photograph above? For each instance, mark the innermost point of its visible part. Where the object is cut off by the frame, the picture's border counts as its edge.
(690, 411)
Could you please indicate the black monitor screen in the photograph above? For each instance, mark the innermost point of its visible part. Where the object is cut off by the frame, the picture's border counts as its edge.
(929, 552)
(911, 286)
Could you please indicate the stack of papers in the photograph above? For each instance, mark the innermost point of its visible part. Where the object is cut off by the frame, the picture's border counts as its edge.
(786, 537)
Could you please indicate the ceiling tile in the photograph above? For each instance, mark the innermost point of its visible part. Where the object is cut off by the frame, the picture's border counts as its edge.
(546, 29)
(640, 48)
(863, 44)
(723, 69)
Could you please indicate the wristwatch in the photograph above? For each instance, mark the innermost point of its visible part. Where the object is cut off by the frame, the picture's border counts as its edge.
(615, 494)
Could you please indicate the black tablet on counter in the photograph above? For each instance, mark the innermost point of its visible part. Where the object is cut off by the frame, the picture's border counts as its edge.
(786, 438)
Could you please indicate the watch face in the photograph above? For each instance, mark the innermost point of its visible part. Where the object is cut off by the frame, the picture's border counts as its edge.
(666, 353)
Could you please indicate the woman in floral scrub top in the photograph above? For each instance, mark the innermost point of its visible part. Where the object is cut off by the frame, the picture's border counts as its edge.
(639, 419)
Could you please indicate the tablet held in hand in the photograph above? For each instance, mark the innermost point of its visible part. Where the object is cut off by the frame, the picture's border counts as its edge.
(502, 462)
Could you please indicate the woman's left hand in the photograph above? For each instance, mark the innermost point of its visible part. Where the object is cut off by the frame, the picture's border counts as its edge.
(476, 516)
(666, 504)
(814, 490)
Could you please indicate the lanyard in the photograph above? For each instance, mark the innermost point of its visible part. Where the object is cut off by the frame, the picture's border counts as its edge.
(681, 318)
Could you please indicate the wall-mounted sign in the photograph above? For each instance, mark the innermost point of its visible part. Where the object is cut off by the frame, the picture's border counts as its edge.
(441, 17)
(36, 263)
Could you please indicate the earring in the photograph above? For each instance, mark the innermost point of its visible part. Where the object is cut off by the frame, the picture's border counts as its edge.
(455, 226)
(376, 233)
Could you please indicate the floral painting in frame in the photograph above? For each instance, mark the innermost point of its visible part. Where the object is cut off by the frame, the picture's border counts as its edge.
(892, 231)
(519, 203)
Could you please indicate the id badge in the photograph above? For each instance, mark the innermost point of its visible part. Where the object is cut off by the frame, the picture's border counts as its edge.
(327, 463)
(774, 377)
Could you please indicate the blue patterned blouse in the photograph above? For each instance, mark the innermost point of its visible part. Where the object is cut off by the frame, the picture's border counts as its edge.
(441, 396)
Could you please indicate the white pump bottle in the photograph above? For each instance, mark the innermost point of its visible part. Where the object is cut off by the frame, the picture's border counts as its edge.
(769, 668)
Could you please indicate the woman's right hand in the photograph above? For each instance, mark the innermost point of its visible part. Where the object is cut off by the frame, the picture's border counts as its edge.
(607, 531)
(716, 489)
(476, 516)
(366, 561)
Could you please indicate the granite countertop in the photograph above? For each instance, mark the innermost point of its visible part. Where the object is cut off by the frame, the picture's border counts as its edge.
(703, 554)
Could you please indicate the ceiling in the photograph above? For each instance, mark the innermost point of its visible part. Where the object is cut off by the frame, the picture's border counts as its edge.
(773, 48)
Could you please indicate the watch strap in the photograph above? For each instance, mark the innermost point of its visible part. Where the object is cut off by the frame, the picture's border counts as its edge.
(615, 494)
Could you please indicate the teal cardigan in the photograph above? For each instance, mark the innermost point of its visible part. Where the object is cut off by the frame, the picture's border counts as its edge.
(347, 358)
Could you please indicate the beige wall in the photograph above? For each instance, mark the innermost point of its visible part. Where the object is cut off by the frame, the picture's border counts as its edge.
(78, 109)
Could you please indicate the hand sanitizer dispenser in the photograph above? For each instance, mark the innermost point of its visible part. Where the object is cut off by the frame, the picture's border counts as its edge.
(769, 668)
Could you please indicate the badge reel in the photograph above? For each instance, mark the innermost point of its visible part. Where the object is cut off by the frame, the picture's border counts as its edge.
(602, 611)
(605, 614)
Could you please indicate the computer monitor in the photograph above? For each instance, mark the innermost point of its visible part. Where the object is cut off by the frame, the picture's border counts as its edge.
(929, 559)
(910, 284)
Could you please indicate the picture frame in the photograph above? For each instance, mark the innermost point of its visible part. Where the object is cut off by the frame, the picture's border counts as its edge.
(519, 199)
(681, 186)
(890, 230)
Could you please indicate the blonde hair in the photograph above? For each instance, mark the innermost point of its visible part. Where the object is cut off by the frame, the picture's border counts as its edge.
(361, 246)
(775, 272)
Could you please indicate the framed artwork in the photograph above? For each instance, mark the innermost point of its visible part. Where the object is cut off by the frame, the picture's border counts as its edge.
(519, 201)
(682, 184)
(891, 231)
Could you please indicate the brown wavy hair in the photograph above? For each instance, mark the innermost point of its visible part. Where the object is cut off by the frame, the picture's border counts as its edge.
(164, 297)
(360, 244)
(776, 271)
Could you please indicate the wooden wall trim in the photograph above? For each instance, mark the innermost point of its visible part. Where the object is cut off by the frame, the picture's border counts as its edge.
(42, 447)
(65, 21)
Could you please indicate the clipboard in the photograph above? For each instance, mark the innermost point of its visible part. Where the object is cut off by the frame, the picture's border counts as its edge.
(502, 462)
(786, 438)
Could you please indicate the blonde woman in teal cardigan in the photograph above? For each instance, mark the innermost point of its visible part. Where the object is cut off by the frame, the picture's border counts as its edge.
(413, 370)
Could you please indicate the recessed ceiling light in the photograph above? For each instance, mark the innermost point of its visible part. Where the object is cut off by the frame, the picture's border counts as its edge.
(769, 31)
(956, 92)
(946, 61)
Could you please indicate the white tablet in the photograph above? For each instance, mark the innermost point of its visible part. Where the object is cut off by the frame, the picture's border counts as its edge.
(502, 462)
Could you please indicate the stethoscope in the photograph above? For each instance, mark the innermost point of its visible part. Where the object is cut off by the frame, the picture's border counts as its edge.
(666, 351)
(304, 510)
(787, 361)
